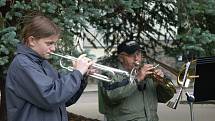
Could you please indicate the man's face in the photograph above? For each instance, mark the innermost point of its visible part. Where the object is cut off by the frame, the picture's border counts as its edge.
(44, 46)
(129, 60)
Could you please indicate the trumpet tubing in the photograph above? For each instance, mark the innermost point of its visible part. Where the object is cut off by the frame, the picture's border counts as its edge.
(178, 73)
(96, 66)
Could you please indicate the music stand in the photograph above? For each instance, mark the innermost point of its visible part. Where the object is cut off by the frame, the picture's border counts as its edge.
(204, 84)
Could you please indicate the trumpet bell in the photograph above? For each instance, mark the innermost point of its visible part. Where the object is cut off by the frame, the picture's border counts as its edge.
(185, 77)
(190, 77)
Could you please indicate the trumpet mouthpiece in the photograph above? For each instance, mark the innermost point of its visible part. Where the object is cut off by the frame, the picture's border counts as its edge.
(136, 63)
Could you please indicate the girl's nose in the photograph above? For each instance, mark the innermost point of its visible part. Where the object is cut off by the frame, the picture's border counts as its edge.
(52, 48)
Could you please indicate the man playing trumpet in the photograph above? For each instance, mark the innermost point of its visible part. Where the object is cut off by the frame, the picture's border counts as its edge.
(121, 100)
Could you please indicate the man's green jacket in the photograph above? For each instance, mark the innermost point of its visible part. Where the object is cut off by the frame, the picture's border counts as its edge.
(122, 101)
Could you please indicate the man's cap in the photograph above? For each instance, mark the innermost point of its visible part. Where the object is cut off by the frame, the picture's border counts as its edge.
(129, 47)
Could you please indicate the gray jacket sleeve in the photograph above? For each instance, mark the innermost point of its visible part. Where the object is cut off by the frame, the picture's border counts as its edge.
(119, 89)
(30, 82)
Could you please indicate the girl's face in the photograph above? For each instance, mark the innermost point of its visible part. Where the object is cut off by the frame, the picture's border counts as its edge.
(43, 46)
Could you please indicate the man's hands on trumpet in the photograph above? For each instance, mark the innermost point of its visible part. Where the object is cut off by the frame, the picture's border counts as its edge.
(149, 70)
(158, 75)
(83, 64)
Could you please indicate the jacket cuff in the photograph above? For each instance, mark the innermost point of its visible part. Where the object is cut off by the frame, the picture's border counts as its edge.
(78, 73)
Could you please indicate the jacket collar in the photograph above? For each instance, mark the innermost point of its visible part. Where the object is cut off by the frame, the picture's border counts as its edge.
(23, 49)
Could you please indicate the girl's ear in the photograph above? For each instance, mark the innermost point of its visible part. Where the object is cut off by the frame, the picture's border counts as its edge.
(31, 41)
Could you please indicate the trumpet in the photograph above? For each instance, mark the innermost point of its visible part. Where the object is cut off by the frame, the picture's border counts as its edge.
(100, 67)
(154, 75)
(158, 77)
(184, 77)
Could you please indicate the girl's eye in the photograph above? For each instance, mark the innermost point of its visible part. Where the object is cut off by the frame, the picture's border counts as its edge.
(50, 43)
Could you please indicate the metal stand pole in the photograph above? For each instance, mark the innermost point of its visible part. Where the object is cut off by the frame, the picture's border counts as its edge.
(190, 100)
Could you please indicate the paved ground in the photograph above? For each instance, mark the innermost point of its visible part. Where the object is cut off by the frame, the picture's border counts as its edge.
(87, 106)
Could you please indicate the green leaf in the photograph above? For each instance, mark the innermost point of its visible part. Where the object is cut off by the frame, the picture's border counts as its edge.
(4, 50)
(8, 36)
(6, 30)
(3, 60)
(18, 14)
(9, 16)
(2, 3)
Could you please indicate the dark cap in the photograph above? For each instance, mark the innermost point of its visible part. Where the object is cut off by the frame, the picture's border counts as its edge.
(129, 47)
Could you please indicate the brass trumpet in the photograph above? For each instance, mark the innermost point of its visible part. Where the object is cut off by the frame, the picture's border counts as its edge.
(179, 73)
(158, 77)
(184, 77)
(154, 75)
(100, 67)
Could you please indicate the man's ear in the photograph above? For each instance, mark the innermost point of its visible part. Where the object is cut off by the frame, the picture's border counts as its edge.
(31, 41)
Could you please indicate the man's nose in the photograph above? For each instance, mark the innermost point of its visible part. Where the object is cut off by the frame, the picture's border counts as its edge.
(137, 58)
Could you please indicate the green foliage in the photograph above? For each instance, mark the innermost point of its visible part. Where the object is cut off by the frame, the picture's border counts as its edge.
(151, 23)
(8, 43)
(198, 43)
(2, 3)
(196, 37)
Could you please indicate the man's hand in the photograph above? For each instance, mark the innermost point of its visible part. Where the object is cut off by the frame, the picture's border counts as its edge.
(158, 75)
(145, 71)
